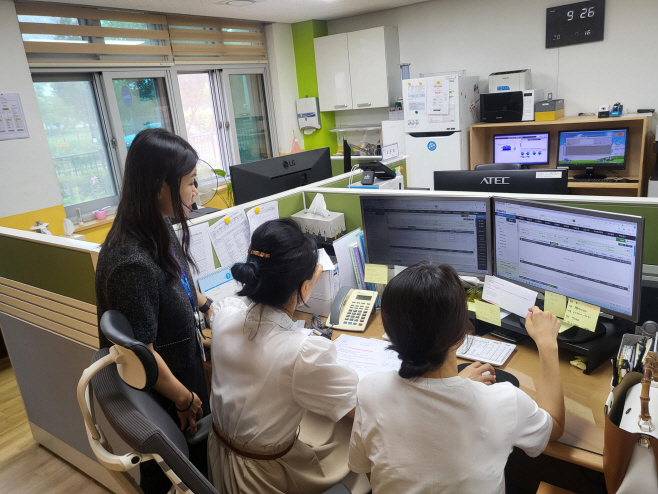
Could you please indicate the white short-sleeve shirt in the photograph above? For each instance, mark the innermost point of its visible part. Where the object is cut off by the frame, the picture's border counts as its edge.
(449, 435)
(266, 374)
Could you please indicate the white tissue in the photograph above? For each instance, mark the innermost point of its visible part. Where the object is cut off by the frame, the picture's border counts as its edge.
(318, 206)
(68, 227)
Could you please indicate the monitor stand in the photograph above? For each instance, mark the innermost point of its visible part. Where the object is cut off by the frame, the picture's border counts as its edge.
(590, 175)
(576, 334)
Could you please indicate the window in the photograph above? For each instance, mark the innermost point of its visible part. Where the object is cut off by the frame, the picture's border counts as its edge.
(78, 144)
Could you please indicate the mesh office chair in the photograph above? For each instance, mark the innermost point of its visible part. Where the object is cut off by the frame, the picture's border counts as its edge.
(499, 166)
(122, 393)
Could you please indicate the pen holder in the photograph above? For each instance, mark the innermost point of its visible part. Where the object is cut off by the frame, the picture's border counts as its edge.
(100, 214)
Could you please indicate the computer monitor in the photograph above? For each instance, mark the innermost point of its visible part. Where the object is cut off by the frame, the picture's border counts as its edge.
(251, 181)
(592, 256)
(590, 150)
(526, 149)
(547, 181)
(402, 231)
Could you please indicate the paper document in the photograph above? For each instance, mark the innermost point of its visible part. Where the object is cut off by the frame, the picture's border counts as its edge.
(438, 98)
(325, 260)
(261, 214)
(485, 350)
(219, 284)
(366, 356)
(416, 92)
(201, 249)
(581, 314)
(12, 118)
(344, 259)
(507, 295)
(555, 303)
(231, 240)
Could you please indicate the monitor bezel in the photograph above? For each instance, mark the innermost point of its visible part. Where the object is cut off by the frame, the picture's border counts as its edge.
(639, 220)
(548, 151)
(486, 200)
(583, 167)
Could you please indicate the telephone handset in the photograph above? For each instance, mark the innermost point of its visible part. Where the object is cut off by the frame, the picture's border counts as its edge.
(351, 309)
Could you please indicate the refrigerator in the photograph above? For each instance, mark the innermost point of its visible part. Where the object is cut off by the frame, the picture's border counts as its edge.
(438, 112)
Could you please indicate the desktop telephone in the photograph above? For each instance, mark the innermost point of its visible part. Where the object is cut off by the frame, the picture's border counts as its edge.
(351, 309)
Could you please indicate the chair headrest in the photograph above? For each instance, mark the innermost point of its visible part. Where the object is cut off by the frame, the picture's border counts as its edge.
(138, 368)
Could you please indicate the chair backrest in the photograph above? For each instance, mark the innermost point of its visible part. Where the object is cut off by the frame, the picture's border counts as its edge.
(133, 413)
(499, 166)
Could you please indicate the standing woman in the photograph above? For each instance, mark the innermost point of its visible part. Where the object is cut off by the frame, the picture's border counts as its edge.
(144, 272)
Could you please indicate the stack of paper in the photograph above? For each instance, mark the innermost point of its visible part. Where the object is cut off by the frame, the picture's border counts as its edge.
(485, 350)
(366, 355)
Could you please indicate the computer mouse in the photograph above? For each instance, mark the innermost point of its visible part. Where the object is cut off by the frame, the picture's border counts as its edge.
(501, 375)
(623, 180)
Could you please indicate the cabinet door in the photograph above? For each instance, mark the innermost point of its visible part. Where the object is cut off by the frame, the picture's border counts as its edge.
(368, 68)
(333, 70)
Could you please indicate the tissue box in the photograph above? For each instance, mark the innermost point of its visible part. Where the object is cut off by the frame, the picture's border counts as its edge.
(324, 290)
(329, 226)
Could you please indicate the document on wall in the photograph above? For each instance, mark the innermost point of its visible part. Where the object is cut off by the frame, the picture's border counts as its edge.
(201, 249)
(416, 96)
(507, 295)
(438, 98)
(219, 284)
(230, 238)
(366, 355)
(261, 214)
(12, 118)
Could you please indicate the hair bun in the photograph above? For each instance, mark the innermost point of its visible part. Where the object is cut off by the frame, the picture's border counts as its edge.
(244, 272)
(410, 369)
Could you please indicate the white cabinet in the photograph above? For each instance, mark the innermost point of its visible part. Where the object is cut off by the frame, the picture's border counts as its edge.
(358, 69)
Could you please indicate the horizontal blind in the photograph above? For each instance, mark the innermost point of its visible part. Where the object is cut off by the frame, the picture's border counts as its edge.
(208, 39)
(55, 33)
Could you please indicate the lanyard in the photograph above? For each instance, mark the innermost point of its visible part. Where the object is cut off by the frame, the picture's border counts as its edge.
(197, 319)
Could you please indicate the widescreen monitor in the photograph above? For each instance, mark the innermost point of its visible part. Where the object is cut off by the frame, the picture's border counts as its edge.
(251, 181)
(545, 181)
(405, 230)
(590, 150)
(526, 149)
(592, 256)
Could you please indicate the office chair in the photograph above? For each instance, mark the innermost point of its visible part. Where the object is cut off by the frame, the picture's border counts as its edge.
(500, 166)
(122, 393)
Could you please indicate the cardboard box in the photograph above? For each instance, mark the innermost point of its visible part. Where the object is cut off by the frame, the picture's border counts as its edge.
(545, 116)
(325, 226)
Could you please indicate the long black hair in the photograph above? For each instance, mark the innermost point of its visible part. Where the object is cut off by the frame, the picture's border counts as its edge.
(287, 259)
(155, 157)
(424, 314)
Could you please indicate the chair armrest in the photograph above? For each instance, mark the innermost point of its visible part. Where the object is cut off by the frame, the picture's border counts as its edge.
(203, 428)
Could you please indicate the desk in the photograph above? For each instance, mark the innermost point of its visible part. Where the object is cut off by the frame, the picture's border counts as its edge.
(584, 396)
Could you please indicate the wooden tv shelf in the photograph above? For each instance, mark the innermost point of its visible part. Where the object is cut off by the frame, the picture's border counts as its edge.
(640, 152)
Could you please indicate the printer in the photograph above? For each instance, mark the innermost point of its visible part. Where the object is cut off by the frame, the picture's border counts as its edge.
(512, 80)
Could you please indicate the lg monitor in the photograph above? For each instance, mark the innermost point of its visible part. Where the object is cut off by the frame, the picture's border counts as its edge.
(402, 231)
(591, 256)
(526, 149)
(589, 150)
(546, 181)
(251, 181)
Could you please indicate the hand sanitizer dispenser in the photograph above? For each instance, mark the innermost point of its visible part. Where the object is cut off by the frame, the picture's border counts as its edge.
(308, 115)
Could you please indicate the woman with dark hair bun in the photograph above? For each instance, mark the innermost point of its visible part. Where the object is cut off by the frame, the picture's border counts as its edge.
(143, 271)
(267, 376)
(430, 429)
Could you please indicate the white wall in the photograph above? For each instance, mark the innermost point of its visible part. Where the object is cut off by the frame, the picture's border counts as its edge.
(281, 58)
(484, 36)
(27, 174)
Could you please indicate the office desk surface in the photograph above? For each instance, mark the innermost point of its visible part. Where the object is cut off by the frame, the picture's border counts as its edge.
(584, 396)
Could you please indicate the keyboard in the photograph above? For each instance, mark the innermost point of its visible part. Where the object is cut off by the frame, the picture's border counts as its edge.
(610, 180)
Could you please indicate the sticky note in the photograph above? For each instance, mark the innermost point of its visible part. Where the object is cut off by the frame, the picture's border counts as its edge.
(471, 306)
(555, 303)
(581, 314)
(487, 312)
(564, 326)
(376, 273)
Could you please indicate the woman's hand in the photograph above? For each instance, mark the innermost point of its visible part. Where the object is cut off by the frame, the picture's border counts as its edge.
(191, 414)
(475, 372)
(208, 316)
(542, 327)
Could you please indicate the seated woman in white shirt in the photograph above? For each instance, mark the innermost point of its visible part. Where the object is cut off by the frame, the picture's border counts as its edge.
(428, 429)
(266, 375)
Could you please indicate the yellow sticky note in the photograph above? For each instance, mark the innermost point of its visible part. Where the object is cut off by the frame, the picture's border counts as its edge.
(487, 312)
(581, 314)
(376, 273)
(555, 303)
(564, 326)
(471, 306)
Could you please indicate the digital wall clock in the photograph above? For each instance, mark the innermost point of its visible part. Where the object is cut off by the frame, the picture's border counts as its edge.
(576, 23)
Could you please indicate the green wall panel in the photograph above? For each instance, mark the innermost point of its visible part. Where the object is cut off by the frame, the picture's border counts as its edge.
(55, 269)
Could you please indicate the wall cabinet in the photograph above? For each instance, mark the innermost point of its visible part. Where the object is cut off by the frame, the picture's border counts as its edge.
(358, 70)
